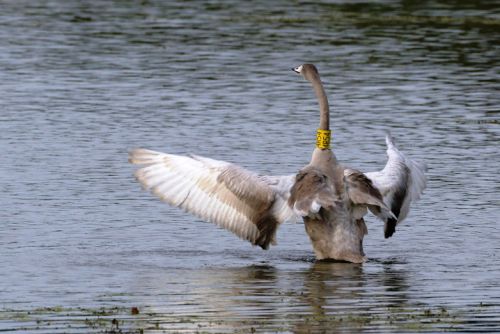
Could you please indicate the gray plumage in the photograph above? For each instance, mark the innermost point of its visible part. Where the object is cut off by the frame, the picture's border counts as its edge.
(331, 199)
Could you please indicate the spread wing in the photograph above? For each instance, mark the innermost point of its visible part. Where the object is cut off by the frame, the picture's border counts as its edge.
(401, 182)
(249, 205)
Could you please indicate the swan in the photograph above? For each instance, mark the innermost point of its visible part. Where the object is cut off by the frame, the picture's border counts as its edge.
(331, 199)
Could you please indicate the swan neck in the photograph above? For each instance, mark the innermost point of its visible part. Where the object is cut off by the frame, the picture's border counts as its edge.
(324, 109)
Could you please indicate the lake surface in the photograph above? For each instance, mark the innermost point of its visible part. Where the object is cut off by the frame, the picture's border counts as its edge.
(82, 83)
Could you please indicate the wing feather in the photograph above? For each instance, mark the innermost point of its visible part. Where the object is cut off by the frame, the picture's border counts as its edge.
(311, 192)
(217, 191)
(362, 193)
(282, 186)
(401, 182)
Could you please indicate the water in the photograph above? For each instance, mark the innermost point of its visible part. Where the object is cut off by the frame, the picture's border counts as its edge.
(82, 83)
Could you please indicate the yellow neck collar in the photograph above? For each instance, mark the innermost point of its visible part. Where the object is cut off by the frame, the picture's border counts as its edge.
(323, 138)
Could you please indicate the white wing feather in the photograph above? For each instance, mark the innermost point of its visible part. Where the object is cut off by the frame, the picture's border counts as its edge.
(401, 182)
(215, 191)
(281, 185)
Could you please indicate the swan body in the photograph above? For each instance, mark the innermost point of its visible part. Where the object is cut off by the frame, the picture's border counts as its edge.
(330, 198)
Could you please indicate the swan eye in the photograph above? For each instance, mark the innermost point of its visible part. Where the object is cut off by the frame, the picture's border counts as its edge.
(298, 69)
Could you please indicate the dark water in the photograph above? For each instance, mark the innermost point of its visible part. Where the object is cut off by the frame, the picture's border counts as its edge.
(83, 82)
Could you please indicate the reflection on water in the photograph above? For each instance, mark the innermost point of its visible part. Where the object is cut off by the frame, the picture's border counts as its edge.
(313, 297)
(84, 82)
(269, 297)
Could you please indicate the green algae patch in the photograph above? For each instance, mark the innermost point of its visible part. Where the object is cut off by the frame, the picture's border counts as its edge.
(141, 319)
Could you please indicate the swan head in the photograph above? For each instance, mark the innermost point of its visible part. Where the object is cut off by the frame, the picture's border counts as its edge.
(308, 71)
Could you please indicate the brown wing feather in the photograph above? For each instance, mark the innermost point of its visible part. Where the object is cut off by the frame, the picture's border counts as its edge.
(361, 191)
(311, 192)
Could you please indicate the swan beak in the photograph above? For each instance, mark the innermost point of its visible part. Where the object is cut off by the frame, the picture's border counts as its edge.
(297, 69)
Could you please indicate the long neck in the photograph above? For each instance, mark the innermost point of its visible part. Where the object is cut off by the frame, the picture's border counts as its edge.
(324, 116)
